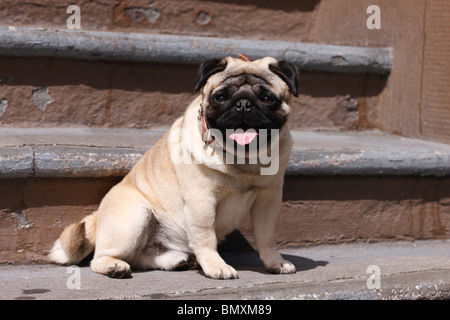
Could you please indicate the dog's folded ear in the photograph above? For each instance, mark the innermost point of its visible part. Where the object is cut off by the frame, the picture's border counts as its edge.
(288, 72)
(207, 69)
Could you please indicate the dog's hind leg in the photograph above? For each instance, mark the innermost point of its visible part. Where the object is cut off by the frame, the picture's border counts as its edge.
(166, 248)
(112, 267)
(123, 218)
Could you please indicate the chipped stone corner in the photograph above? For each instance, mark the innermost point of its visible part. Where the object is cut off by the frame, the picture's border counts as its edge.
(41, 98)
(141, 14)
(3, 106)
(21, 220)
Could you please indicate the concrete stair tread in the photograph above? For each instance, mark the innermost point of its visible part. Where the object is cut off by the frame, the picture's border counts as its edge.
(407, 270)
(100, 152)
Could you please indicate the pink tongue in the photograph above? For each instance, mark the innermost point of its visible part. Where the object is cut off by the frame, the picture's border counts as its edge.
(244, 138)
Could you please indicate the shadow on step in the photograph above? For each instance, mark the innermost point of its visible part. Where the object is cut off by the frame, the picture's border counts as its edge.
(237, 252)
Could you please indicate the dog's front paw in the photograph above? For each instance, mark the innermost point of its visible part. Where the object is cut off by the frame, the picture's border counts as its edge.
(220, 271)
(119, 270)
(275, 263)
(282, 267)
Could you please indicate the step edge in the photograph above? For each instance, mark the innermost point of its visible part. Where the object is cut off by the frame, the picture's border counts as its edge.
(88, 161)
(140, 47)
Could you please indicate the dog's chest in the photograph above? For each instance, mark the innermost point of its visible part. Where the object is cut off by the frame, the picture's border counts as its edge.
(232, 209)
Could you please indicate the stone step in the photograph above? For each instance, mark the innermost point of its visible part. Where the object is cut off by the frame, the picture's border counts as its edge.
(59, 78)
(376, 271)
(339, 186)
(103, 152)
(142, 47)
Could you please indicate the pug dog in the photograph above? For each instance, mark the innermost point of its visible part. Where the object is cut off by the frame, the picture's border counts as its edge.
(224, 159)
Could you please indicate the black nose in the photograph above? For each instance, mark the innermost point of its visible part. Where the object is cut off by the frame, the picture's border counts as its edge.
(243, 103)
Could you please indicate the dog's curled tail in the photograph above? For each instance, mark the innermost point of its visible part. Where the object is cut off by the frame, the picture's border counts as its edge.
(75, 242)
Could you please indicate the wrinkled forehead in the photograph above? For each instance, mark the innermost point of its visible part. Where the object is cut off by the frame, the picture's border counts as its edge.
(258, 69)
(242, 81)
(238, 71)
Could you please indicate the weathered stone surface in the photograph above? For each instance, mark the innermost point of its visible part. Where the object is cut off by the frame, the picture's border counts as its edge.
(115, 46)
(78, 152)
(16, 162)
(84, 161)
(34, 212)
(407, 270)
(315, 210)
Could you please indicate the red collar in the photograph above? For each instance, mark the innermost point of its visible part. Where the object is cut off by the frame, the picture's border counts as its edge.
(205, 133)
(243, 57)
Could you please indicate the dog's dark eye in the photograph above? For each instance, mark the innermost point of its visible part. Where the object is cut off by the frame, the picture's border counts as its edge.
(268, 100)
(220, 98)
